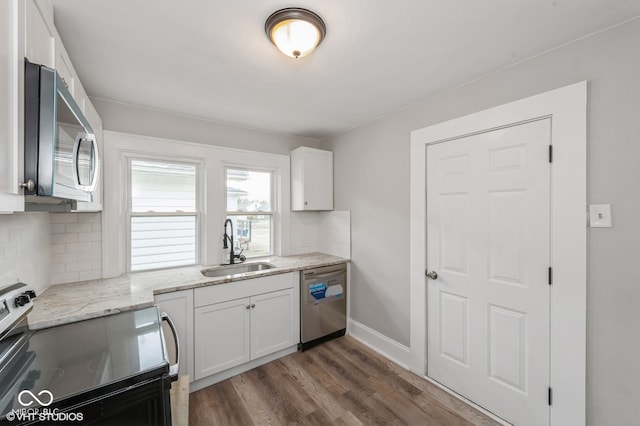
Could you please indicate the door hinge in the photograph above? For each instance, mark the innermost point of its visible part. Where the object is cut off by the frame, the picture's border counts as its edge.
(550, 275)
(550, 396)
(551, 153)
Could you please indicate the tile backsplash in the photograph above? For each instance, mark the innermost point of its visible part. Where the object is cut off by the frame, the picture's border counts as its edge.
(25, 249)
(41, 248)
(335, 233)
(304, 232)
(76, 244)
(327, 232)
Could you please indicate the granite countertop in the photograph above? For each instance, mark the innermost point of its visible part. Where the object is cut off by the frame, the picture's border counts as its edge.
(65, 303)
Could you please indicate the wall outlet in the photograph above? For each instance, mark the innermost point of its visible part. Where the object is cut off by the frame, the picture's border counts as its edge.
(600, 215)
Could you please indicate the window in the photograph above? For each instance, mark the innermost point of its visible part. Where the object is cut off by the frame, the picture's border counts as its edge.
(250, 207)
(163, 214)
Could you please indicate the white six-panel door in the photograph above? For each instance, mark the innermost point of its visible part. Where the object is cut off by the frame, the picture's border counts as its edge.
(488, 240)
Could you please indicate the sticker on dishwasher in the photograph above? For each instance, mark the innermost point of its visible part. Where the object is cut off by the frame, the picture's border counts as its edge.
(318, 291)
(322, 293)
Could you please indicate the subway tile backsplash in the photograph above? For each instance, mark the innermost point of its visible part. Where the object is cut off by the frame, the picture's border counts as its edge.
(42, 248)
(25, 249)
(304, 232)
(327, 232)
(335, 233)
(76, 244)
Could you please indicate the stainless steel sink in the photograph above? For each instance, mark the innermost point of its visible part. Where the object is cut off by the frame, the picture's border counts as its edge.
(240, 268)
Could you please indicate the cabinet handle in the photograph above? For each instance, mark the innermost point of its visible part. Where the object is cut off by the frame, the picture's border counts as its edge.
(247, 307)
(253, 305)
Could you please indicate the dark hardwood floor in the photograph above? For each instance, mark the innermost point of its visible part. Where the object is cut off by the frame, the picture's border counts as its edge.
(341, 382)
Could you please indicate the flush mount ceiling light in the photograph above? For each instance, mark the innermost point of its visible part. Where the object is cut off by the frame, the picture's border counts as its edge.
(295, 31)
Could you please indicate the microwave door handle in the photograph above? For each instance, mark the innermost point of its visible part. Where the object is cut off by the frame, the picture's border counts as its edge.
(75, 172)
(76, 159)
(96, 164)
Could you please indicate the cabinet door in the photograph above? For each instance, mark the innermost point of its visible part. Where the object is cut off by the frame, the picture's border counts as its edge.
(222, 336)
(272, 322)
(311, 179)
(179, 306)
(39, 37)
(318, 180)
(11, 165)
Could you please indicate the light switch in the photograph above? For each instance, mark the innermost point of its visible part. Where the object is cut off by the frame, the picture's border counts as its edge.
(600, 215)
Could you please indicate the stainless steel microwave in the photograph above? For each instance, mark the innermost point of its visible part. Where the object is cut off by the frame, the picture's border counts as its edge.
(61, 158)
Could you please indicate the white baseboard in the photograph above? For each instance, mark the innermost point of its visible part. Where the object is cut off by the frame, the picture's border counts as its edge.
(380, 343)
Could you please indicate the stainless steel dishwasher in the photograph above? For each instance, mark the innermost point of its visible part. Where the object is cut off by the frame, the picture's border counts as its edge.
(323, 304)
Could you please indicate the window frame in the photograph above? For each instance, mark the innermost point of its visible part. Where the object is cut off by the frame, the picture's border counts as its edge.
(274, 202)
(129, 214)
(212, 159)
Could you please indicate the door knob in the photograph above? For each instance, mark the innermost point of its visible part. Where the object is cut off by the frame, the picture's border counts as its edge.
(432, 275)
(28, 185)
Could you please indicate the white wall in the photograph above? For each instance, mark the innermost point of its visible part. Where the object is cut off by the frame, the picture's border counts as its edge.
(141, 121)
(372, 181)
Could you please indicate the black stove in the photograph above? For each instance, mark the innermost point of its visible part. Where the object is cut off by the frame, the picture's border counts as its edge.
(108, 370)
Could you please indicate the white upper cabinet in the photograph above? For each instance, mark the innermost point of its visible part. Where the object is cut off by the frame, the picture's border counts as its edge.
(311, 179)
(11, 147)
(40, 36)
(27, 31)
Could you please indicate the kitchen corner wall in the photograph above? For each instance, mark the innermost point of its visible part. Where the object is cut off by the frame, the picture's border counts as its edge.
(25, 249)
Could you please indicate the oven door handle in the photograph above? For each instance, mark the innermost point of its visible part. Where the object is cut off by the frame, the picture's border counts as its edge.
(173, 369)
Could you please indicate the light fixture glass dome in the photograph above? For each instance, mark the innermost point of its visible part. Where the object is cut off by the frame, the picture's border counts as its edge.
(296, 32)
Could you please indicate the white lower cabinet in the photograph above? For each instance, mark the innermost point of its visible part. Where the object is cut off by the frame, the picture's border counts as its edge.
(261, 318)
(272, 327)
(223, 332)
(179, 306)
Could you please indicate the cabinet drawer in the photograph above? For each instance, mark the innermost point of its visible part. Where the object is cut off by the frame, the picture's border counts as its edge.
(245, 288)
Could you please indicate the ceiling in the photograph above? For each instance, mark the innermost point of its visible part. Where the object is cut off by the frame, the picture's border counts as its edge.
(210, 59)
